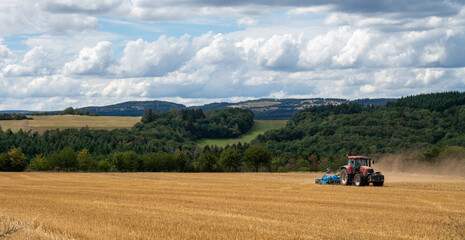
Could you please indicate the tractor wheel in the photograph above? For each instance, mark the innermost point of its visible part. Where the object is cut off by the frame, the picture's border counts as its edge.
(317, 181)
(345, 180)
(358, 180)
(378, 184)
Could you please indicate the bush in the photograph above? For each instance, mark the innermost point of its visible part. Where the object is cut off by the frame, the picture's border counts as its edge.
(65, 160)
(85, 161)
(127, 161)
(104, 166)
(39, 163)
(302, 165)
(16, 160)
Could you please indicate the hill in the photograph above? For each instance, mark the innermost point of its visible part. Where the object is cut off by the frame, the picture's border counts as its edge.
(263, 109)
(133, 108)
(401, 127)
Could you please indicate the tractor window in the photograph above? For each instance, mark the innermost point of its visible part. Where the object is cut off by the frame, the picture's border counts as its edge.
(362, 162)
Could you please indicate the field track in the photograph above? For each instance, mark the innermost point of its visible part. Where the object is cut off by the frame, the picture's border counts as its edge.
(227, 206)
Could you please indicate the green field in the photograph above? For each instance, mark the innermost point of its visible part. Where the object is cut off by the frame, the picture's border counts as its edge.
(260, 126)
(43, 123)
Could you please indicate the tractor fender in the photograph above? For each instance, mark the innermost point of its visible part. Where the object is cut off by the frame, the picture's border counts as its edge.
(349, 169)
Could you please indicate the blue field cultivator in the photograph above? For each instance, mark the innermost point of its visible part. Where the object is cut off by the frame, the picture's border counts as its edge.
(335, 179)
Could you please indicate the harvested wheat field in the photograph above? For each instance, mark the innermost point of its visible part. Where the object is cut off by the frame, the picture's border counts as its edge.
(226, 206)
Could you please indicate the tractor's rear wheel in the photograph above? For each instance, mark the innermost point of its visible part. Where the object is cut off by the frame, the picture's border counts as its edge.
(358, 180)
(345, 180)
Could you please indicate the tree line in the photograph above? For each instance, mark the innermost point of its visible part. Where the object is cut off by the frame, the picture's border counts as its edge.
(231, 159)
(13, 116)
(158, 134)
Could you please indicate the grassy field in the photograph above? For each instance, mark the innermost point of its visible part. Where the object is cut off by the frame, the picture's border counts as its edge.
(260, 126)
(42, 123)
(227, 206)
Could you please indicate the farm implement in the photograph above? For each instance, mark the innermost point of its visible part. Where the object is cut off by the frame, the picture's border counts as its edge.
(329, 179)
(358, 171)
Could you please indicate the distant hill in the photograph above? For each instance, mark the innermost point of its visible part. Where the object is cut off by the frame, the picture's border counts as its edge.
(133, 108)
(264, 109)
(283, 109)
(18, 111)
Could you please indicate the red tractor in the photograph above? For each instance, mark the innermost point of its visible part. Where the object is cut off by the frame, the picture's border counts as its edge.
(359, 171)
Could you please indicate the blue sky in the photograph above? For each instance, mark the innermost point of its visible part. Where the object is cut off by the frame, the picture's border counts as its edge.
(55, 54)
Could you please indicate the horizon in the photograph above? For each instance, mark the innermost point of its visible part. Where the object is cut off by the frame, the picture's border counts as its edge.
(193, 105)
(56, 54)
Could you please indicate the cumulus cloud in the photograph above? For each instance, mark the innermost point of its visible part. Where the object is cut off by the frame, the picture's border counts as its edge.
(38, 61)
(279, 52)
(91, 60)
(142, 58)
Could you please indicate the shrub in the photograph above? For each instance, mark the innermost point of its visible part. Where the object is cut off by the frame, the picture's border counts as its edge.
(302, 165)
(16, 160)
(39, 163)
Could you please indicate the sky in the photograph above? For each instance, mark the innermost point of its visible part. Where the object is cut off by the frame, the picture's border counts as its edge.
(60, 53)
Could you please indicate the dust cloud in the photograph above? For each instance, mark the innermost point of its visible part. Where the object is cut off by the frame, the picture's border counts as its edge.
(407, 168)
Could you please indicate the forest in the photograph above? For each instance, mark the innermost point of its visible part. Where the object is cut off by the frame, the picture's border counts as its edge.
(429, 125)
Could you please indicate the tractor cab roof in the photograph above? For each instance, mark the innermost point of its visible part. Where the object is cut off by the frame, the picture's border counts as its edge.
(354, 157)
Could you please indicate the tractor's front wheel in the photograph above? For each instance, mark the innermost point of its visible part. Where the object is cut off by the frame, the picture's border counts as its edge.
(345, 177)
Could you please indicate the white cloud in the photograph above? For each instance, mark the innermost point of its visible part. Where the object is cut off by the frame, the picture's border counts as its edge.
(356, 45)
(91, 60)
(248, 22)
(166, 54)
(279, 52)
(310, 10)
(37, 61)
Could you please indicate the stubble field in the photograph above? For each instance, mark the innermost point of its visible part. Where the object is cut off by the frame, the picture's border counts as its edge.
(42, 123)
(227, 206)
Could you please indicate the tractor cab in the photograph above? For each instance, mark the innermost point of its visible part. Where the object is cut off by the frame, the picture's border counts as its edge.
(357, 164)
